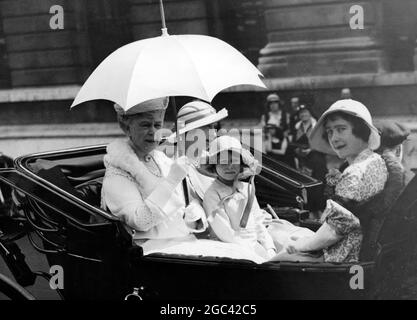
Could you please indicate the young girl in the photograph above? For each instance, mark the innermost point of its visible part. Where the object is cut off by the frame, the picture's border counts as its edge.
(233, 212)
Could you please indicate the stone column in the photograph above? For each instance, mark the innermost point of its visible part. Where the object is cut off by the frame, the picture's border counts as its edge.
(314, 38)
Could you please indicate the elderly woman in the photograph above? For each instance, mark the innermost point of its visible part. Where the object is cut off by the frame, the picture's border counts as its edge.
(346, 130)
(142, 185)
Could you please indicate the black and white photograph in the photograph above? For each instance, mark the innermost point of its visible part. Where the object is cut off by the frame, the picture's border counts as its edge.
(205, 156)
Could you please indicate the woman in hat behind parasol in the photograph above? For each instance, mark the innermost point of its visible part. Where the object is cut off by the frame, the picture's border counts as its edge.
(199, 119)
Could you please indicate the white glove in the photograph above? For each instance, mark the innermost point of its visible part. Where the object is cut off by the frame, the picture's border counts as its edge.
(178, 171)
(163, 194)
(163, 191)
(195, 215)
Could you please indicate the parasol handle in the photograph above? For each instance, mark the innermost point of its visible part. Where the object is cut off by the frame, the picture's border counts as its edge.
(164, 26)
(180, 150)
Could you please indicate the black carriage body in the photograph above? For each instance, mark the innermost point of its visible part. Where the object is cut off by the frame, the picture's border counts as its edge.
(59, 193)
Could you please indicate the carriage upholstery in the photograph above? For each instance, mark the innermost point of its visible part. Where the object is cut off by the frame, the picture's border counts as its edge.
(86, 186)
(373, 214)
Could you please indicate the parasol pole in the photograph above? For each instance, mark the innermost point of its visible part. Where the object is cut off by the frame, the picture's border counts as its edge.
(180, 149)
(178, 124)
(164, 26)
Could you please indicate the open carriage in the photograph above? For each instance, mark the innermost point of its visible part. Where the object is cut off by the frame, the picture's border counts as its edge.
(58, 196)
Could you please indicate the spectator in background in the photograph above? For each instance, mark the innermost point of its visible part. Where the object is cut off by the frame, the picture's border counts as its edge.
(293, 119)
(345, 94)
(306, 123)
(274, 113)
(276, 145)
(294, 116)
(310, 162)
(300, 142)
(393, 135)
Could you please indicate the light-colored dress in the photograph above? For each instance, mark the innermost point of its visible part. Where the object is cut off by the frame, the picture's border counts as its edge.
(125, 197)
(364, 178)
(229, 203)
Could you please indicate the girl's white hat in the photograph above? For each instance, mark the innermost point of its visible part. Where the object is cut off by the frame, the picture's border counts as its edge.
(223, 144)
(349, 106)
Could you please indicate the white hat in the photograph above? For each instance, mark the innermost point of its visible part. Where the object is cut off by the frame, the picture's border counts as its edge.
(149, 105)
(228, 143)
(197, 114)
(349, 106)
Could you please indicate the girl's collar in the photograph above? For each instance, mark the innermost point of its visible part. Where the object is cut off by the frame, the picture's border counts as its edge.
(364, 154)
(236, 186)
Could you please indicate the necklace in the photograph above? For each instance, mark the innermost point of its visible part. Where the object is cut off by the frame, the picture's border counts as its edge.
(152, 166)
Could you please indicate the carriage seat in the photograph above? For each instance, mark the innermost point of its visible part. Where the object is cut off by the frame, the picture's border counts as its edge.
(88, 190)
(374, 213)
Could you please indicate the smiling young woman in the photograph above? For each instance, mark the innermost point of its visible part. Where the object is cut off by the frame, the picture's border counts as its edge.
(345, 130)
(347, 135)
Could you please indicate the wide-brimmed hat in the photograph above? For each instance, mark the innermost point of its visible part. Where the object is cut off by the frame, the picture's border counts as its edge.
(224, 144)
(197, 114)
(149, 105)
(355, 108)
